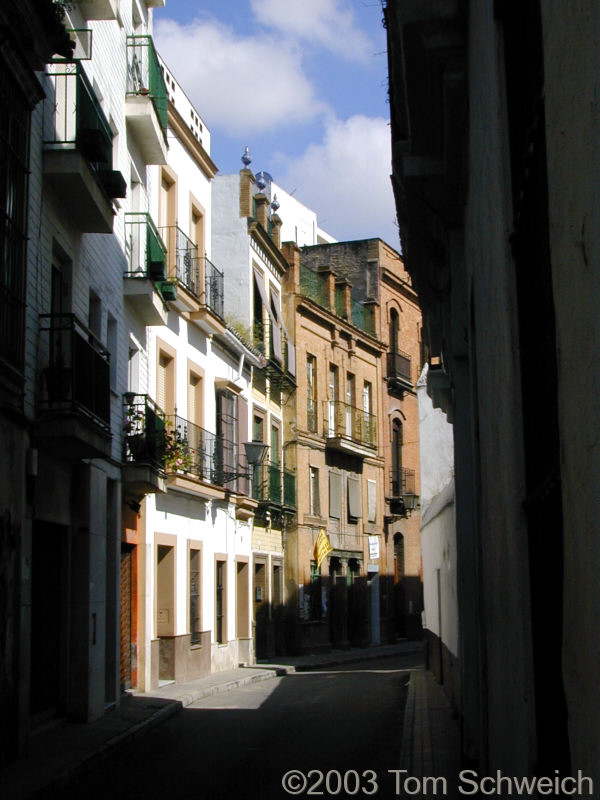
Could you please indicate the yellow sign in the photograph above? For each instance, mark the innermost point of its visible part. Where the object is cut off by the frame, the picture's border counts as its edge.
(322, 546)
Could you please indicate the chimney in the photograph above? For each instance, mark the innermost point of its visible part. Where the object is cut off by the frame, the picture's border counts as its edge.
(262, 209)
(276, 224)
(291, 253)
(246, 184)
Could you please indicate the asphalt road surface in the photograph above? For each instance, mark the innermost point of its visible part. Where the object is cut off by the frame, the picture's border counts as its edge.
(342, 721)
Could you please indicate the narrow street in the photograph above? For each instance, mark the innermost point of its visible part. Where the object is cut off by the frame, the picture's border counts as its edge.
(240, 744)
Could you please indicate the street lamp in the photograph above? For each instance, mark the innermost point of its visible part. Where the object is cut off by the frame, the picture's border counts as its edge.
(255, 452)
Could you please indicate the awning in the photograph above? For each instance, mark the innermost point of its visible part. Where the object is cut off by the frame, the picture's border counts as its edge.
(275, 329)
(291, 350)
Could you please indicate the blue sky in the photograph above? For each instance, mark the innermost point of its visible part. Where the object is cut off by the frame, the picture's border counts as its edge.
(303, 84)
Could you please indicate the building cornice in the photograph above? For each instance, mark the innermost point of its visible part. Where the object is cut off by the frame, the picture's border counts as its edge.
(307, 307)
(270, 253)
(193, 146)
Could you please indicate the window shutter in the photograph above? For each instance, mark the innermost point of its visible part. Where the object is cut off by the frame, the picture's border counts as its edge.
(161, 382)
(372, 500)
(335, 495)
(354, 497)
(315, 500)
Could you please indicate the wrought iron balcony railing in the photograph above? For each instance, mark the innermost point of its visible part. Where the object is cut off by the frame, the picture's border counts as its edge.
(146, 251)
(145, 77)
(348, 422)
(213, 288)
(399, 365)
(402, 482)
(74, 120)
(144, 431)
(76, 375)
(182, 259)
(274, 485)
(195, 273)
(189, 449)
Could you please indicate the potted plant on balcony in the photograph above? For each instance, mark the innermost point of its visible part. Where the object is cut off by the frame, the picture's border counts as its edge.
(178, 454)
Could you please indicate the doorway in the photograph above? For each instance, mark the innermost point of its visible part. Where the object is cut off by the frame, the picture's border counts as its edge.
(48, 618)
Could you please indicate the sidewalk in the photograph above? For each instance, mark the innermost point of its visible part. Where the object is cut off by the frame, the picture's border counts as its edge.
(59, 752)
(431, 735)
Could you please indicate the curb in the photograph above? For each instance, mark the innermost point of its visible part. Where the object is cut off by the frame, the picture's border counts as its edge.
(337, 662)
(172, 707)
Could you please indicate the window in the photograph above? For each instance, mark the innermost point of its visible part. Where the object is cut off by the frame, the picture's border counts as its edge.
(333, 390)
(315, 503)
(371, 500)
(368, 433)
(220, 621)
(14, 149)
(195, 623)
(226, 433)
(257, 428)
(275, 445)
(311, 393)
(335, 495)
(349, 403)
(197, 229)
(111, 343)
(95, 315)
(133, 378)
(394, 329)
(396, 458)
(194, 413)
(165, 382)
(354, 505)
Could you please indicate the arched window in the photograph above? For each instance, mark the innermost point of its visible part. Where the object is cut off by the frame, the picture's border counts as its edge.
(396, 457)
(394, 330)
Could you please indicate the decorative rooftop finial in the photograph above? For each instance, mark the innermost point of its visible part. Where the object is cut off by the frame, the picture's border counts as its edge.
(246, 158)
(260, 181)
(275, 204)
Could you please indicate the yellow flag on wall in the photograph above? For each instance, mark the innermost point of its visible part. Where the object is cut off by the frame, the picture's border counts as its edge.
(322, 546)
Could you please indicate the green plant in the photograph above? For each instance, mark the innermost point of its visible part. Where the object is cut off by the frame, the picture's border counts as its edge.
(243, 330)
(178, 454)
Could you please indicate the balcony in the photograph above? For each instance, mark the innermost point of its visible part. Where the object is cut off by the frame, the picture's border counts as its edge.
(349, 429)
(144, 283)
(197, 461)
(146, 100)
(272, 340)
(143, 445)
(403, 497)
(274, 487)
(74, 390)
(210, 315)
(199, 281)
(399, 371)
(99, 9)
(78, 151)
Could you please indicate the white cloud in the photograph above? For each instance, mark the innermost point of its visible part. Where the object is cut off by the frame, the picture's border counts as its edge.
(345, 179)
(330, 23)
(242, 84)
